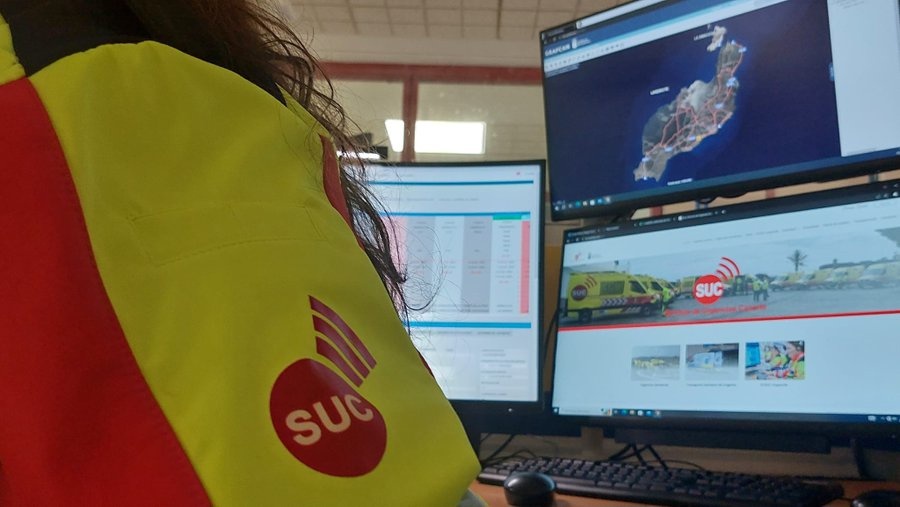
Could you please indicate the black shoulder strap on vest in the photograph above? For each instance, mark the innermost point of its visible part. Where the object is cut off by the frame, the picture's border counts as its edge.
(44, 31)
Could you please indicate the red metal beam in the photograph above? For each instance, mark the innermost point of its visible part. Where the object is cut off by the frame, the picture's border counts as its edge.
(439, 73)
(410, 113)
(412, 75)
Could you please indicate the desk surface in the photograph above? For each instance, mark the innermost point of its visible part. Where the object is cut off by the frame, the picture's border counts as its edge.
(493, 495)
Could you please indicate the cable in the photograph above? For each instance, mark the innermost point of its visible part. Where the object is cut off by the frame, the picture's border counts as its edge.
(639, 457)
(688, 463)
(622, 453)
(553, 323)
(633, 451)
(859, 458)
(499, 449)
(628, 452)
(521, 453)
(656, 455)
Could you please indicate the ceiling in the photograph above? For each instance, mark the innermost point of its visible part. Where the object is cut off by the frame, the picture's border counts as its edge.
(475, 32)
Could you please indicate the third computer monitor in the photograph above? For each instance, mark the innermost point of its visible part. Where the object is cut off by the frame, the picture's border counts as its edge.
(655, 101)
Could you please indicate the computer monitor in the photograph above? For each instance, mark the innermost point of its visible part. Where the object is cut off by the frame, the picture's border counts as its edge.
(776, 317)
(655, 102)
(469, 237)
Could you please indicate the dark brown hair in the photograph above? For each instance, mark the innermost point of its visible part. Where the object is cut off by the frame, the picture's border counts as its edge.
(253, 41)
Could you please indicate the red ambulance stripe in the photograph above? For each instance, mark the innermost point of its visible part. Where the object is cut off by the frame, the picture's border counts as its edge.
(79, 425)
(328, 331)
(342, 326)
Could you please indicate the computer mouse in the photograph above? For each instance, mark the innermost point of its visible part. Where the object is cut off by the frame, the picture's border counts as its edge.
(878, 498)
(529, 489)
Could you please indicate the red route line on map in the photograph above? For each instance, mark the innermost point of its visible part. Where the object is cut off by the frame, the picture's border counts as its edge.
(688, 111)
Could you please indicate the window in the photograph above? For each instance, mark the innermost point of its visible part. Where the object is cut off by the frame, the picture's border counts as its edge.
(368, 104)
(513, 118)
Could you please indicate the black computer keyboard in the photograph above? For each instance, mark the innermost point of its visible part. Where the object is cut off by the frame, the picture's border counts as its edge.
(669, 486)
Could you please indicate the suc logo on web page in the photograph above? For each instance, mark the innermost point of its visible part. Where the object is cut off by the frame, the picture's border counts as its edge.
(709, 288)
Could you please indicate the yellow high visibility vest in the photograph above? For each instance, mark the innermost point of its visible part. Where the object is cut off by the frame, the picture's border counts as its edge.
(187, 317)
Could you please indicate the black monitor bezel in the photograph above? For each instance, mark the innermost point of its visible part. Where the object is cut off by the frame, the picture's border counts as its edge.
(703, 190)
(835, 431)
(478, 411)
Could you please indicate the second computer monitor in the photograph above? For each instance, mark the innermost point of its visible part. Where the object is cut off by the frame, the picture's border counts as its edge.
(778, 315)
(469, 239)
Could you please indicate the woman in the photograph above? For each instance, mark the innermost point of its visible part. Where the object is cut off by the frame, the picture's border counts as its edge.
(194, 295)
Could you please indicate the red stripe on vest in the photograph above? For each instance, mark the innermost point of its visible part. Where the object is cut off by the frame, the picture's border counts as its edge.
(78, 423)
(332, 180)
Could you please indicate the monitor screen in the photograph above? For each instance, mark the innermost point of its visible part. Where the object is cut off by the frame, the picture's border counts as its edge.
(469, 238)
(782, 311)
(655, 102)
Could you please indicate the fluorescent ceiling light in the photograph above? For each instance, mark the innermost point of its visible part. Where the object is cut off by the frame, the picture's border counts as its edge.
(395, 134)
(458, 137)
(364, 155)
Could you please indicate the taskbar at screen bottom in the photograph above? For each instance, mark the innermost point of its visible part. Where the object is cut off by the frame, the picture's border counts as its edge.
(645, 413)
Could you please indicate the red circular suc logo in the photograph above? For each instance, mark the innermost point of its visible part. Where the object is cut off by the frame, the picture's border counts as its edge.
(324, 422)
(708, 289)
(579, 292)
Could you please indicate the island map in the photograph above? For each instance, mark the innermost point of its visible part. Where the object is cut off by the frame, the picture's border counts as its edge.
(699, 111)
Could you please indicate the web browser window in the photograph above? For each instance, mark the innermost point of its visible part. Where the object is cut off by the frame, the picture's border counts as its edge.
(785, 309)
(469, 239)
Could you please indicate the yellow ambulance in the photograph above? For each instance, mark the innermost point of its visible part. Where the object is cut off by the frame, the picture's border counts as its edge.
(605, 293)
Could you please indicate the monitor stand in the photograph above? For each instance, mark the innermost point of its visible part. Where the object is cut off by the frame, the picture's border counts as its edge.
(538, 423)
(748, 440)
